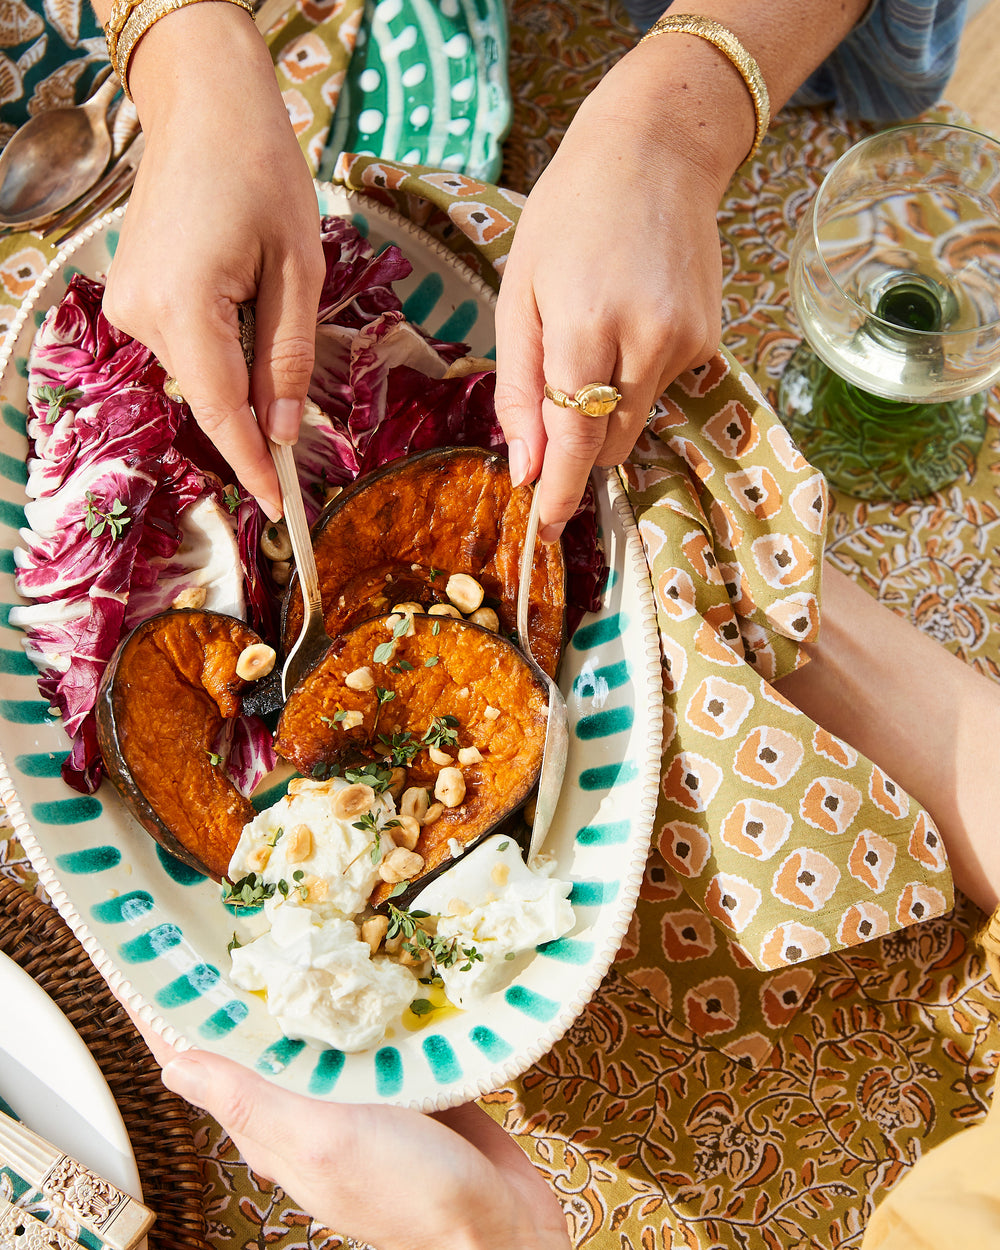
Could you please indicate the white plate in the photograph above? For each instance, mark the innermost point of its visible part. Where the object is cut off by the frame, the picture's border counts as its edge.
(51, 1081)
(159, 934)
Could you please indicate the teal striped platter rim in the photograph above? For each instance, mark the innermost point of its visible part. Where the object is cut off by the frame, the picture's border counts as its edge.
(159, 933)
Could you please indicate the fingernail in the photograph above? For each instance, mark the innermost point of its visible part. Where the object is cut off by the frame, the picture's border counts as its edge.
(284, 416)
(188, 1078)
(519, 461)
(271, 510)
(550, 533)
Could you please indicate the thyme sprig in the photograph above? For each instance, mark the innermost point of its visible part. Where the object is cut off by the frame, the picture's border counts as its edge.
(369, 823)
(401, 748)
(97, 519)
(421, 941)
(55, 397)
(442, 732)
(252, 890)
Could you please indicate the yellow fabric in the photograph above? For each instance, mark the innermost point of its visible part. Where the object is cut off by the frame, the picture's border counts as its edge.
(950, 1200)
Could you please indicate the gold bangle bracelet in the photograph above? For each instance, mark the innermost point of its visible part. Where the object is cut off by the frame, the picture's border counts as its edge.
(731, 48)
(120, 12)
(140, 18)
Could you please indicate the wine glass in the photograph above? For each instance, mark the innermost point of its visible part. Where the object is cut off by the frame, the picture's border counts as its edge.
(895, 278)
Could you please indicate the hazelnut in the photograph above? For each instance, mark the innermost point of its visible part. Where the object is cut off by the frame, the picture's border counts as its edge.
(464, 592)
(450, 787)
(351, 720)
(440, 757)
(433, 813)
(406, 832)
(275, 543)
(255, 661)
(470, 755)
(444, 609)
(373, 930)
(298, 844)
(353, 800)
(487, 618)
(258, 857)
(414, 802)
(400, 865)
(190, 597)
(360, 679)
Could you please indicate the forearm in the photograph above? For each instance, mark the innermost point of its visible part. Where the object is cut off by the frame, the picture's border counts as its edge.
(680, 92)
(213, 43)
(926, 718)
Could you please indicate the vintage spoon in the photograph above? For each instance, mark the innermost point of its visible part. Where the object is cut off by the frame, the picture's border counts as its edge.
(313, 640)
(557, 731)
(55, 157)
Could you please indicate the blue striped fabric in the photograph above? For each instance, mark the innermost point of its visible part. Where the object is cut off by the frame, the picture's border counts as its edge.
(894, 64)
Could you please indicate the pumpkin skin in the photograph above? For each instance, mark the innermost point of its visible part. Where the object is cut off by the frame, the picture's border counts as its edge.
(476, 672)
(169, 687)
(398, 533)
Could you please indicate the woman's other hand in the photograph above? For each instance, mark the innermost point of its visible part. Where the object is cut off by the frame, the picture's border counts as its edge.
(614, 276)
(385, 1175)
(615, 272)
(223, 211)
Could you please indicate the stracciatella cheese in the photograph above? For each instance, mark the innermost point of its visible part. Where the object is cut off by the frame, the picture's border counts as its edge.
(322, 982)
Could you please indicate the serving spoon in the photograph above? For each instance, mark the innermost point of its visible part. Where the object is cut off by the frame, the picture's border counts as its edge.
(313, 640)
(557, 729)
(55, 157)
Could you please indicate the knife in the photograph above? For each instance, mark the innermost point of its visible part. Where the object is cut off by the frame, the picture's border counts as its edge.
(97, 1204)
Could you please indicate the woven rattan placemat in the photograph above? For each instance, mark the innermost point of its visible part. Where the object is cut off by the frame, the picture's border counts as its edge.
(34, 935)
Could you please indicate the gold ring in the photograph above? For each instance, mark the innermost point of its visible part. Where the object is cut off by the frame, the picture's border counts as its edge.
(593, 400)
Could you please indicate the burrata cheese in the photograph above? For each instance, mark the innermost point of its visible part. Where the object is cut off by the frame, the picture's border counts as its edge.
(321, 981)
(491, 900)
(332, 867)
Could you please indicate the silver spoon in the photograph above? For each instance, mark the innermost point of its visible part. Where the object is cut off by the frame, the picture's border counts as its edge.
(55, 157)
(313, 640)
(557, 730)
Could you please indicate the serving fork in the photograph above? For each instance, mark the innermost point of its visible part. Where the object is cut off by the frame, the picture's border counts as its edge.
(556, 746)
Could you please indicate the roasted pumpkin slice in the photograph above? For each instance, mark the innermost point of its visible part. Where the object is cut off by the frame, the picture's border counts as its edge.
(167, 691)
(448, 685)
(396, 536)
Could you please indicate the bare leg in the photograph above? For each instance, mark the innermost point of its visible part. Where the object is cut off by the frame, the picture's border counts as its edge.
(926, 718)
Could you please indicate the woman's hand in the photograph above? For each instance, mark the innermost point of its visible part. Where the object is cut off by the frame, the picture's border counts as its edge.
(223, 211)
(614, 276)
(385, 1175)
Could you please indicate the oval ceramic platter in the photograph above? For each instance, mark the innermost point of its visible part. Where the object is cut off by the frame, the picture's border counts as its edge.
(159, 933)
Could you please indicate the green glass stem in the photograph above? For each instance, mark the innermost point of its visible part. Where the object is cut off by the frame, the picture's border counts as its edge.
(875, 448)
